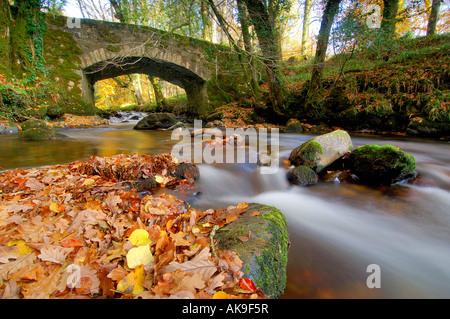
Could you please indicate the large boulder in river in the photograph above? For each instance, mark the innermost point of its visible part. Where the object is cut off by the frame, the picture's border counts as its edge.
(320, 151)
(380, 165)
(155, 121)
(261, 239)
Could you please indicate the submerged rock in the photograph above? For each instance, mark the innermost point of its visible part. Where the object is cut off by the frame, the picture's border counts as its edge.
(34, 123)
(264, 252)
(320, 151)
(380, 165)
(302, 176)
(37, 134)
(155, 121)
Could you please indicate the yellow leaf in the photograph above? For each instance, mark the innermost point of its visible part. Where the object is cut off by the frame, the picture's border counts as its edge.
(54, 207)
(221, 295)
(139, 237)
(140, 255)
(159, 179)
(133, 282)
(21, 245)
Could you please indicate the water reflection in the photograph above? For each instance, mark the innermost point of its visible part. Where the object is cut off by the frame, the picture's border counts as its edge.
(81, 143)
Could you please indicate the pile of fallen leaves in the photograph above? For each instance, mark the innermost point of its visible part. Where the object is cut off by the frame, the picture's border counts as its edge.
(83, 230)
(233, 115)
(74, 121)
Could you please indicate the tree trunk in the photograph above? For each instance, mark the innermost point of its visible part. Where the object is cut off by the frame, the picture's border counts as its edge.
(268, 43)
(331, 9)
(136, 84)
(433, 19)
(5, 39)
(305, 31)
(206, 20)
(389, 18)
(243, 21)
(161, 103)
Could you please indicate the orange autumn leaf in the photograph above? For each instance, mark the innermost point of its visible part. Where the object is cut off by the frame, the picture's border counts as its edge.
(247, 284)
(71, 243)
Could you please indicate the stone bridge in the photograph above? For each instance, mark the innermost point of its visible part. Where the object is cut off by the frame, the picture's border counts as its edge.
(80, 52)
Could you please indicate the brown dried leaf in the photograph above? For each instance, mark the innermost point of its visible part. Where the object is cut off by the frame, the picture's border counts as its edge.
(43, 288)
(55, 254)
(34, 184)
(199, 264)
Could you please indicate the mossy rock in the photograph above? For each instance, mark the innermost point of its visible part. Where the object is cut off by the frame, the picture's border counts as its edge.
(320, 151)
(380, 165)
(294, 128)
(37, 134)
(302, 176)
(34, 124)
(264, 254)
(155, 121)
(422, 127)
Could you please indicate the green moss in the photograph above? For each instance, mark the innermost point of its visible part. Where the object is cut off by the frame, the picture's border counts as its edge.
(374, 164)
(306, 154)
(302, 175)
(37, 134)
(34, 124)
(113, 48)
(265, 253)
(273, 279)
(311, 149)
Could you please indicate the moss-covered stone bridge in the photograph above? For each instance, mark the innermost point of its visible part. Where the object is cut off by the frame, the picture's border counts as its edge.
(79, 53)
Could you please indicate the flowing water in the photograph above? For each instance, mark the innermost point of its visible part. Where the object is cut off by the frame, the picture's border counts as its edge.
(336, 229)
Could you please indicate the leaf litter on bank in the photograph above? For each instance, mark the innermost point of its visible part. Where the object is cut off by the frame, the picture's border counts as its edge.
(84, 230)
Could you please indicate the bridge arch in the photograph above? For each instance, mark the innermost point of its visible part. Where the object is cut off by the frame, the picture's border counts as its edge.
(194, 85)
(83, 53)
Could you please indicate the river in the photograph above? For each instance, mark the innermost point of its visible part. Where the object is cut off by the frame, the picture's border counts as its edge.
(336, 229)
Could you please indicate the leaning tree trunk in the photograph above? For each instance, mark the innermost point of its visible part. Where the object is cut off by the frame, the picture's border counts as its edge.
(433, 19)
(329, 13)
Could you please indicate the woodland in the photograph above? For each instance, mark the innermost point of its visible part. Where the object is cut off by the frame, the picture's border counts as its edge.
(350, 64)
(103, 227)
